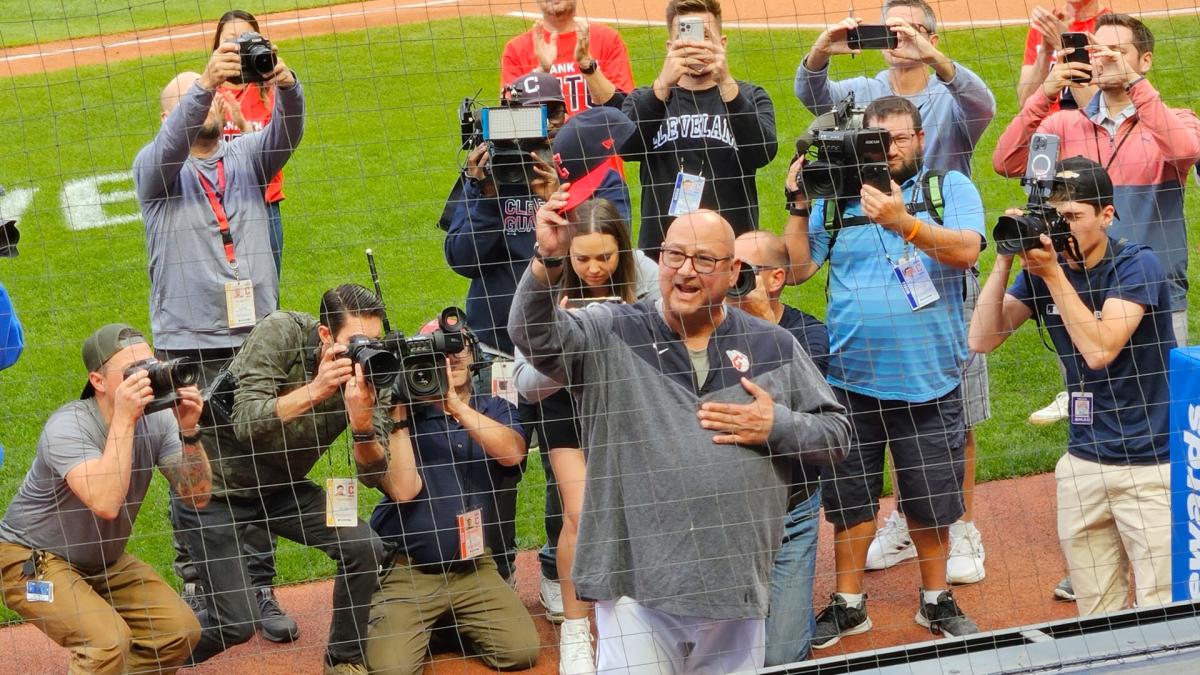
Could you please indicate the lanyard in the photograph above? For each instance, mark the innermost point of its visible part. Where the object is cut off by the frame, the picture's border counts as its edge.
(1120, 144)
(216, 201)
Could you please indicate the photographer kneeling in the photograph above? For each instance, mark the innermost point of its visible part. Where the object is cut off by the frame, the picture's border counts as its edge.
(298, 390)
(1107, 307)
(63, 564)
(433, 519)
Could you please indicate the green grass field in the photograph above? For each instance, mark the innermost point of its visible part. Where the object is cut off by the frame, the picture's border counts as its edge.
(378, 159)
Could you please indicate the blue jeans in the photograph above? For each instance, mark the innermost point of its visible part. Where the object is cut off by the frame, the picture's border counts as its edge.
(792, 621)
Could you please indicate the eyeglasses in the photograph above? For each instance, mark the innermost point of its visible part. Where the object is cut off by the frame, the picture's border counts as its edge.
(903, 140)
(703, 264)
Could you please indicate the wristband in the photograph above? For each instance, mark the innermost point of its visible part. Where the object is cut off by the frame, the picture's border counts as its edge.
(913, 235)
(590, 70)
(401, 424)
(190, 440)
(550, 262)
(798, 211)
(1132, 84)
(363, 436)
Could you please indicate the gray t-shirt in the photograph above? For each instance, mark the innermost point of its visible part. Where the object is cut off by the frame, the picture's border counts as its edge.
(46, 515)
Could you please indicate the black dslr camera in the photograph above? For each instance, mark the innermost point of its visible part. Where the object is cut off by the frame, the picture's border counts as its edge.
(165, 378)
(422, 372)
(511, 132)
(258, 58)
(1014, 234)
(842, 156)
(379, 364)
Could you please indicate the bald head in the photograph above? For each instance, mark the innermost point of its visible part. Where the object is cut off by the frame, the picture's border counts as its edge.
(702, 228)
(175, 90)
(762, 249)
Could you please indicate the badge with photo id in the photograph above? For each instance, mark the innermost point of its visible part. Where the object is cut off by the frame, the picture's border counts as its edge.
(470, 534)
(341, 502)
(38, 590)
(1081, 407)
(239, 303)
(502, 381)
(915, 282)
(689, 188)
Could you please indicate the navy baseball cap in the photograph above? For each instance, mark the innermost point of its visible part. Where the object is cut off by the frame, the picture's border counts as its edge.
(536, 87)
(1081, 179)
(589, 146)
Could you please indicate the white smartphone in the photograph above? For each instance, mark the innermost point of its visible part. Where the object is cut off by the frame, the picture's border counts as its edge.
(691, 28)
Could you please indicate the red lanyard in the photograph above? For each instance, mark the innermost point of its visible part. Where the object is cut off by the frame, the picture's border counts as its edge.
(216, 201)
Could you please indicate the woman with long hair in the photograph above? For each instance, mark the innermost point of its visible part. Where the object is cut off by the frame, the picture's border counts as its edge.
(602, 267)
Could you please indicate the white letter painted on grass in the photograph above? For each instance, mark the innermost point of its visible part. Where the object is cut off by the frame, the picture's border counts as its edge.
(83, 202)
(15, 203)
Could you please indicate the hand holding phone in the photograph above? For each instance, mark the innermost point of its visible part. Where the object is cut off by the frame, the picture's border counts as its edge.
(691, 28)
(872, 36)
(1078, 44)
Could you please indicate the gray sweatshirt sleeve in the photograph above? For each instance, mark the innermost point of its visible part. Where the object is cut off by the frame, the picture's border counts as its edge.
(975, 101)
(530, 384)
(552, 339)
(157, 166)
(816, 91)
(811, 425)
(276, 142)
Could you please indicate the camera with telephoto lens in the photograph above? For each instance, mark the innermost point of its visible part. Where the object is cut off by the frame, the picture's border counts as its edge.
(747, 281)
(380, 365)
(511, 132)
(165, 378)
(422, 372)
(1015, 234)
(258, 58)
(841, 156)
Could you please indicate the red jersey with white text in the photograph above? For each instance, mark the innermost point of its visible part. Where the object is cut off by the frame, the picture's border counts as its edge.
(607, 48)
(257, 112)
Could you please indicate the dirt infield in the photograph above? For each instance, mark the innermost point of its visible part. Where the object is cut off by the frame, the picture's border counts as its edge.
(343, 18)
(1015, 516)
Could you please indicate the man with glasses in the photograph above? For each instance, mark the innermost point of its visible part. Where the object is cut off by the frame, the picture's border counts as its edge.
(897, 347)
(790, 625)
(955, 104)
(684, 492)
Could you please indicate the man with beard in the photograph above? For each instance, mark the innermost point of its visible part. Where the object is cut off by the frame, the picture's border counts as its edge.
(212, 272)
(589, 59)
(897, 350)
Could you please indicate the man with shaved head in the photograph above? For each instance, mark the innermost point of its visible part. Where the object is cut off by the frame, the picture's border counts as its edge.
(692, 413)
(212, 273)
(791, 624)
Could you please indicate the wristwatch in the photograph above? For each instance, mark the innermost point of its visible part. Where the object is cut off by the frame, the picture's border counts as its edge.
(589, 69)
(363, 436)
(550, 262)
(190, 440)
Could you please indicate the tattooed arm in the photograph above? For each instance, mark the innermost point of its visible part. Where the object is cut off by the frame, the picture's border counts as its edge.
(188, 471)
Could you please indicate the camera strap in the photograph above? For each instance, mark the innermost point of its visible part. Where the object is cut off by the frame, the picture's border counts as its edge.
(216, 200)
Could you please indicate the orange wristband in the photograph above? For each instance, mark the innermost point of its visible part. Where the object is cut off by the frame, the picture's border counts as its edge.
(913, 235)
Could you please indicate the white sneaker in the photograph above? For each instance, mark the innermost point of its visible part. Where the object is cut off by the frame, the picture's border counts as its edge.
(965, 562)
(551, 597)
(1058, 410)
(892, 544)
(575, 655)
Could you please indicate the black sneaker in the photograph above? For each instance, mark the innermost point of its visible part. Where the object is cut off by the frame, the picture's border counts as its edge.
(193, 595)
(944, 617)
(837, 620)
(272, 622)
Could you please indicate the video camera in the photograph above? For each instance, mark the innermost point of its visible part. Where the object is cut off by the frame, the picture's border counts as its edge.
(165, 378)
(258, 58)
(414, 367)
(842, 156)
(1014, 234)
(511, 131)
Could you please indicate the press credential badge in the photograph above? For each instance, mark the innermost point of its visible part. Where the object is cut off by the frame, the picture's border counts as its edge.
(914, 280)
(689, 188)
(239, 303)
(341, 502)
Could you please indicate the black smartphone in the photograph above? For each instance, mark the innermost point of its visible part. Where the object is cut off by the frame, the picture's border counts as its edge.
(872, 36)
(1079, 43)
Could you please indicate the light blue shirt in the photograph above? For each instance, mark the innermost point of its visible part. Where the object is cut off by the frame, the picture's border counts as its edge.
(878, 345)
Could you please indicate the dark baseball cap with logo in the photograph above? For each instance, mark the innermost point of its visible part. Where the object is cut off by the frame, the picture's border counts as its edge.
(103, 344)
(536, 87)
(588, 147)
(1079, 179)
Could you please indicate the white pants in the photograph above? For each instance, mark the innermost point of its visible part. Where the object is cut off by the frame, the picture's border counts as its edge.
(638, 640)
(1113, 519)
